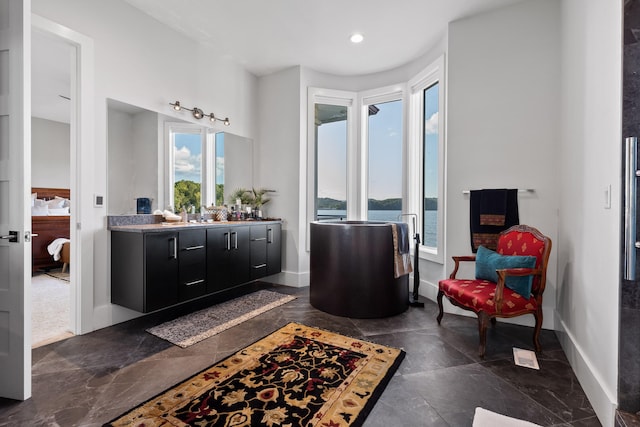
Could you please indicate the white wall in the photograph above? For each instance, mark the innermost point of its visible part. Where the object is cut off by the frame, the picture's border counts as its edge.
(278, 164)
(141, 62)
(50, 158)
(503, 123)
(590, 159)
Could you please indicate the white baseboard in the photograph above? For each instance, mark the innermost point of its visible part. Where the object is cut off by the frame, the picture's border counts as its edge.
(111, 314)
(603, 401)
(290, 278)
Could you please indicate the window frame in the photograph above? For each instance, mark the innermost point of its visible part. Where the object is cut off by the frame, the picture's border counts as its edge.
(207, 139)
(331, 97)
(367, 98)
(434, 73)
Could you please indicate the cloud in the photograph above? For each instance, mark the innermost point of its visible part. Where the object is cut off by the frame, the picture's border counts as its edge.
(431, 124)
(186, 165)
(219, 170)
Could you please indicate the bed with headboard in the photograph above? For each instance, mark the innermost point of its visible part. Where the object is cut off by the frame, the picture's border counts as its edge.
(49, 221)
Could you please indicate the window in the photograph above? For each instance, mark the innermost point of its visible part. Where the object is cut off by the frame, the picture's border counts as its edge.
(331, 161)
(426, 148)
(362, 165)
(430, 169)
(189, 180)
(331, 155)
(219, 165)
(384, 169)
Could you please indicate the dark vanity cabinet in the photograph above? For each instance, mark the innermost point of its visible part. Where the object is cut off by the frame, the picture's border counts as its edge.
(192, 258)
(144, 270)
(266, 258)
(228, 257)
(274, 249)
(152, 268)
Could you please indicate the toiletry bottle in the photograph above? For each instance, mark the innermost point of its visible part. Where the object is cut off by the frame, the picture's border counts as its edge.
(184, 215)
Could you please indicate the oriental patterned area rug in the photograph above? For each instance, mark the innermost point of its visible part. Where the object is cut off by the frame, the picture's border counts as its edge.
(297, 376)
(195, 327)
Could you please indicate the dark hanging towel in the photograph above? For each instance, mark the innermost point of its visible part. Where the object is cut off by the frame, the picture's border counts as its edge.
(491, 211)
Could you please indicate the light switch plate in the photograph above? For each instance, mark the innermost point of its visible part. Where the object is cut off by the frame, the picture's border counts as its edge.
(98, 201)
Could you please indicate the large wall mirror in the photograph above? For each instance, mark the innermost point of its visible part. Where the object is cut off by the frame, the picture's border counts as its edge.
(173, 163)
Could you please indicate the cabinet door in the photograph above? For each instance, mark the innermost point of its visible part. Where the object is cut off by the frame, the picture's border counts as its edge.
(258, 251)
(218, 251)
(192, 261)
(240, 255)
(274, 248)
(161, 270)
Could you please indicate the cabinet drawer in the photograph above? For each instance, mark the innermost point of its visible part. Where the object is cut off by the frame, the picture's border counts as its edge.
(190, 240)
(192, 257)
(259, 233)
(258, 251)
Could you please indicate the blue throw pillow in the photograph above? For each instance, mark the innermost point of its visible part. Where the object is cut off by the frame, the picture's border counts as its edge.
(488, 261)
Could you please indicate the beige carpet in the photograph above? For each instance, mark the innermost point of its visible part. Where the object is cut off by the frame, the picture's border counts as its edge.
(51, 300)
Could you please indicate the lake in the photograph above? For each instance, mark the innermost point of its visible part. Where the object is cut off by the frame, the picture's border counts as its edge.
(429, 237)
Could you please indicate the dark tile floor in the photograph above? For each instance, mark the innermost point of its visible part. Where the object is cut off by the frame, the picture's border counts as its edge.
(88, 380)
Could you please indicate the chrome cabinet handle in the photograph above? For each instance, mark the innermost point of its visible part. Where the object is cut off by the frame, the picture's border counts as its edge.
(235, 239)
(260, 239)
(195, 282)
(228, 241)
(175, 247)
(259, 266)
(193, 248)
(269, 235)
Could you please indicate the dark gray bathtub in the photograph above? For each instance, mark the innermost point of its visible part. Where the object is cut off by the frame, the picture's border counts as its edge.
(352, 270)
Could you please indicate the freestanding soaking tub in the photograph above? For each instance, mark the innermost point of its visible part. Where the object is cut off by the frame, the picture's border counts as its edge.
(352, 271)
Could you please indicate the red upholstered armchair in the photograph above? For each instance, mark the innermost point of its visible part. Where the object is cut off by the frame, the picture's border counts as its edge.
(489, 299)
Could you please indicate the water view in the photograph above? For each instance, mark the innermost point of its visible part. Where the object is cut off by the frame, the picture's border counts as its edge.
(430, 218)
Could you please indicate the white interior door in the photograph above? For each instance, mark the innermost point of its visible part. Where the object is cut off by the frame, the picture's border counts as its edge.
(15, 215)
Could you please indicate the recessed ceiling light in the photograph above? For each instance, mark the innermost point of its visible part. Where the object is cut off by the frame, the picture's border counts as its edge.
(356, 38)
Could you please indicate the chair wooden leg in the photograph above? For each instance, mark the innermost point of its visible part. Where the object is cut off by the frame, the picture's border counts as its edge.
(536, 330)
(64, 267)
(483, 321)
(440, 295)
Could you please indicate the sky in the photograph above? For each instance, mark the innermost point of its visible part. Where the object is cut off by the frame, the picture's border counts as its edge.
(187, 157)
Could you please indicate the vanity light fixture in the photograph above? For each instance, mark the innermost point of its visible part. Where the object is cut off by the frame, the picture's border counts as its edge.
(198, 113)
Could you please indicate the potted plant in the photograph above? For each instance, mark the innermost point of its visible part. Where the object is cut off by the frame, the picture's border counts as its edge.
(245, 196)
(259, 199)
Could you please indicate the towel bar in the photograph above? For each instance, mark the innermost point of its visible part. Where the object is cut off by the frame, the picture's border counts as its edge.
(524, 190)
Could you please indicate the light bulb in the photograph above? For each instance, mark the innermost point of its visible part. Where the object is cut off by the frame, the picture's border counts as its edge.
(356, 38)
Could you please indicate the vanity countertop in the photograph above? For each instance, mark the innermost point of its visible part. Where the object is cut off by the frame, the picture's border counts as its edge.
(172, 226)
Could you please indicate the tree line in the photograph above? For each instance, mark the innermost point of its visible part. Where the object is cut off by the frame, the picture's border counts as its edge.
(430, 204)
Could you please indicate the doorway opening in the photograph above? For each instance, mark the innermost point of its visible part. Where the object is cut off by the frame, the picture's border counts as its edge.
(53, 201)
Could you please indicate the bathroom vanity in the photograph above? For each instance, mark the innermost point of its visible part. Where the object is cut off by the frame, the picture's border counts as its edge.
(154, 266)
